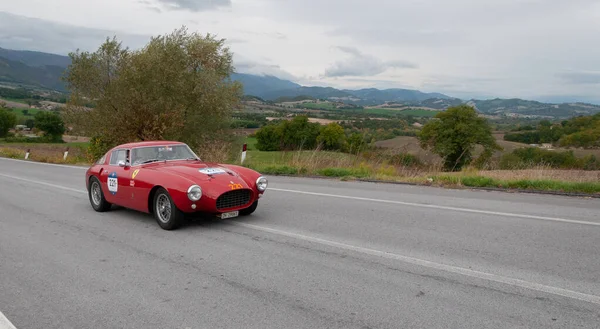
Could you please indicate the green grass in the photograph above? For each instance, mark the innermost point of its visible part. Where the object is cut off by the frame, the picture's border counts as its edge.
(251, 143)
(418, 113)
(318, 106)
(521, 184)
(391, 112)
(21, 117)
(16, 100)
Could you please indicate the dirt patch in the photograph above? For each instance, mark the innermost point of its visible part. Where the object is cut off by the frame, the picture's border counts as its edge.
(75, 139)
(313, 120)
(16, 105)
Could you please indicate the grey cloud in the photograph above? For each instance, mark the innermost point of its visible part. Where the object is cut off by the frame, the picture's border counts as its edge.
(275, 35)
(360, 64)
(194, 5)
(581, 78)
(20, 32)
(245, 65)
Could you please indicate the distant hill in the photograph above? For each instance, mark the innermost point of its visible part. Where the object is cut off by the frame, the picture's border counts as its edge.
(261, 85)
(45, 76)
(392, 95)
(35, 58)
(32, 68)
(516, 106)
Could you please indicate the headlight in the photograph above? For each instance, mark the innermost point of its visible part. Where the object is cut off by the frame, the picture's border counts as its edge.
(194, 193)
(261, 183)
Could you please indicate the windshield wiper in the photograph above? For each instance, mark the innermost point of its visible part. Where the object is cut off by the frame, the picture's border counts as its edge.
(192, 158)
(151, 160)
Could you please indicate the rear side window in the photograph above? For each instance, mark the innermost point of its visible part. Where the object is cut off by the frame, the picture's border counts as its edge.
(101, 160)
(118, 155)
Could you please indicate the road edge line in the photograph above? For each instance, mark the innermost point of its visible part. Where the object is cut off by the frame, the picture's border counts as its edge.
(557, 291)
(422, 205)
(5, 323)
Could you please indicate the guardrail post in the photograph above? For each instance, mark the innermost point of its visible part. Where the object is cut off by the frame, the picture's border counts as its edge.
(27, 154)
(66, 154)
(244, 153)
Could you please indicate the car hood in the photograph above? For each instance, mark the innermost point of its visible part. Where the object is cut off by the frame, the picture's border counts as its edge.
(201, 172)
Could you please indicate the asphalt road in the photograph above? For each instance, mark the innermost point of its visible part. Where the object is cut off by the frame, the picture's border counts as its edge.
(316, 254)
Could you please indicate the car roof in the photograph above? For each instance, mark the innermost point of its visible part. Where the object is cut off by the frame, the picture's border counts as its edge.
(148, 143)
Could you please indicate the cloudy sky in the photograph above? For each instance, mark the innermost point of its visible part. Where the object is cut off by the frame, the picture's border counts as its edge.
(536, 49)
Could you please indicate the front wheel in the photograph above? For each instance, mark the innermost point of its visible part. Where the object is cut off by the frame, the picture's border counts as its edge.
(249, 210)
(168, 216)
(96, 196)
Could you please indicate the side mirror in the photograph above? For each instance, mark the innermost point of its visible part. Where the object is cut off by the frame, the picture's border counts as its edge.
(122, 163)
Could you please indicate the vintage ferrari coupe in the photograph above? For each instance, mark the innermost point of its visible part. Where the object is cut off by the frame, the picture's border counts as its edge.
(168, 180)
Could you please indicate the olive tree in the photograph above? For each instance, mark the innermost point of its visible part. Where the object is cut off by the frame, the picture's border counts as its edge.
(177, 87)
(453, 134)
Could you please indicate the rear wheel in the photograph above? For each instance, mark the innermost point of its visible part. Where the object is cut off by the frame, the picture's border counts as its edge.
(167, 215)
(96, 196)
(249, 210)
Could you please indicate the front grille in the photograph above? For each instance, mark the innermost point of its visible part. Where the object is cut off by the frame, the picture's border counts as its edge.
(232, 199)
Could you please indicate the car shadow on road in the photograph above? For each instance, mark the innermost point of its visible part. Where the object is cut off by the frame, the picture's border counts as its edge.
(191, 221)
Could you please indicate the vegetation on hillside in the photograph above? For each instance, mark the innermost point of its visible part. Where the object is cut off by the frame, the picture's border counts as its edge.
(531, 157)
(582, 131)
(299, 133)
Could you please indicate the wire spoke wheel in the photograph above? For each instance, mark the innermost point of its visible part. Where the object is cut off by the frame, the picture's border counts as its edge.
(96, 193)
(163, 208)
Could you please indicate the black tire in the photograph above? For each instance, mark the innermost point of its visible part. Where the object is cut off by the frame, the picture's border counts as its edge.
(97, 201)
(169, 221)
(249, 210)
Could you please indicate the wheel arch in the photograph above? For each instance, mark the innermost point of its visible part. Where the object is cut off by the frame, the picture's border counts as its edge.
(150, 201)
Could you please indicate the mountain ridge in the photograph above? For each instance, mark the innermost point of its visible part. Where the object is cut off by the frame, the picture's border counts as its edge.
(44, 70)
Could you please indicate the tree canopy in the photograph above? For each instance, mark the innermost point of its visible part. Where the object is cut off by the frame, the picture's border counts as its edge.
(51, 124)
(454, 133)
(177, 87)
(7, 120)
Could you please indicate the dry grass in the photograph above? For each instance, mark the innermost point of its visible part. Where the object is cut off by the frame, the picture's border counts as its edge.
(411, 145)
(46, 156)
(542, 173)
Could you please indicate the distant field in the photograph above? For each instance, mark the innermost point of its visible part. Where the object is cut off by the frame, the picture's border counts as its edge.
(313, 120)
(319, 106)
(21, 114)
(419, 113)
(393, 112)
(14, 103)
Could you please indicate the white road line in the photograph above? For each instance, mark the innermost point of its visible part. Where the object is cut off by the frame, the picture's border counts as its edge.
(429, 264)
(487, 212)
(4, 323)
(37, 182)
(422, 205)
(45, 164)
(411, 260)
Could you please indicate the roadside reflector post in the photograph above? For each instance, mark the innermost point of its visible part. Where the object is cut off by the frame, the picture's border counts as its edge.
(244, 153)
(66, 154)
(27, 154)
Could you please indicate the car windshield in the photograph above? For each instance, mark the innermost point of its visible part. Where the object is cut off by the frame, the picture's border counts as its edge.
(149, 154)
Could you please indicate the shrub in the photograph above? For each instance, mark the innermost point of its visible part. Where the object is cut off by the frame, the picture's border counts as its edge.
(7, 121)
(531, 157)
(97, 148)
(332, 137)
(268, 138)
(405, 160)
(51, 124)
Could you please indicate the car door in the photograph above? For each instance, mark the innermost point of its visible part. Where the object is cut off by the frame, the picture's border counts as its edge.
(115, 178)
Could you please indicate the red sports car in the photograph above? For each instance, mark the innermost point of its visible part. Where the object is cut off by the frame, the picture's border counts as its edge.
(167, 179)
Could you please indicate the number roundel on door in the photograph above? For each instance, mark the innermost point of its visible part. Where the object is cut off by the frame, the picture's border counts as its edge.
(113, 183)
